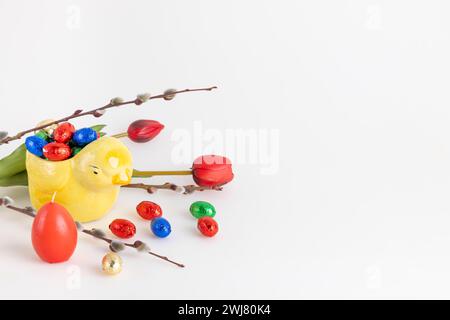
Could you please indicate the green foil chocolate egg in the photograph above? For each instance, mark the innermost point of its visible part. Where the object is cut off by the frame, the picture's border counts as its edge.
(75, 151)
(43, 135)
(202, 209)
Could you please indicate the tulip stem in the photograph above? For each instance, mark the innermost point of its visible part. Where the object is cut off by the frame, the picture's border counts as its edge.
(120, 135)
(148, 174)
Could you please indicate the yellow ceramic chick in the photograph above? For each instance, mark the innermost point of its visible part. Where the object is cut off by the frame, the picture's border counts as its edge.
(88, 184)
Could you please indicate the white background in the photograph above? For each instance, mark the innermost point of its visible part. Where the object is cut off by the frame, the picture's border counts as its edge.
(357, 89)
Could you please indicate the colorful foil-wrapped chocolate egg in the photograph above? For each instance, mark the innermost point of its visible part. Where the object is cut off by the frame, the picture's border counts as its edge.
(208, 226)
(64, 132)
(76, 150)
(56, 151)
(200, 209)
(84, 136)
(123, 228)
(35, 145)
(112, 264)
(149, 210)
(43, 134)
(51, 126)
(161, 227)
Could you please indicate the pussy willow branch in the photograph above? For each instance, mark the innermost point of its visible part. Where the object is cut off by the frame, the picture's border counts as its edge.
(134, 245)
(31, 213)
(188, 189)
(98, 112)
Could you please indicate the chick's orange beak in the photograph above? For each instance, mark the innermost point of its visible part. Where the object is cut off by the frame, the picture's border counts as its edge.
(122, 178)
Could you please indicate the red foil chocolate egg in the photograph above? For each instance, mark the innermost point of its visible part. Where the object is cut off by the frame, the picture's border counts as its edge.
(149, 210)
(56, 151)
(64, 132)
(208, 226)
(122, 228)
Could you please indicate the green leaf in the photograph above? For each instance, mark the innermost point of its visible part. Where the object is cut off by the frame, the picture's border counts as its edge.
(14, 163)
(99, 127)
(20, 179)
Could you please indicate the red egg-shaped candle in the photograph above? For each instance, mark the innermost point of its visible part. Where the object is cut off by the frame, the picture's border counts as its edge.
(64, 132)
(123, 228)
(56, 151)
(54, 233)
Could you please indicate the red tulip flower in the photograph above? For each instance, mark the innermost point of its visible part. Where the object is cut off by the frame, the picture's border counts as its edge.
(212, 171)
(208, 171)
(142, 131)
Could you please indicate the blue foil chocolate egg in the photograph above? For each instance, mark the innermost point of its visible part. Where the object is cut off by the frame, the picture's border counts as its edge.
(161, 227)
(35, 145)
(84, 136)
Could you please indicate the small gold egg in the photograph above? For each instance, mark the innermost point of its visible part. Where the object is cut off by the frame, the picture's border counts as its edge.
(48, 129)
(112, 264)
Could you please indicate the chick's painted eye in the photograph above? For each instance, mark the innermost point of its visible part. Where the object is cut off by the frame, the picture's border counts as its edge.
(95, 170)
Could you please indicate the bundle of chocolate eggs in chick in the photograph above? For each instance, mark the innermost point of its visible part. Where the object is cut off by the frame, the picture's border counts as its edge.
(60, 142)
